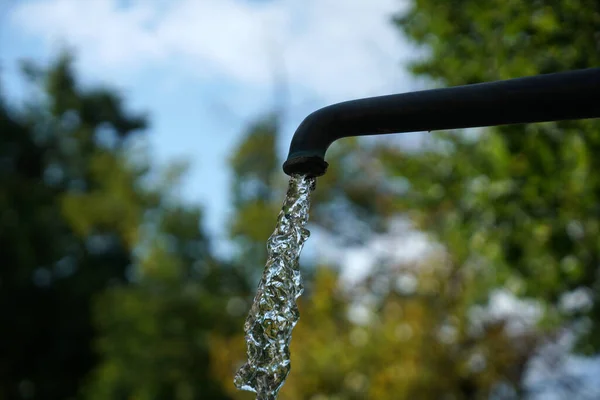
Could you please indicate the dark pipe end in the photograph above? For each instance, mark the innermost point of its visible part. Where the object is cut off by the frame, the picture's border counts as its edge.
(311, 166)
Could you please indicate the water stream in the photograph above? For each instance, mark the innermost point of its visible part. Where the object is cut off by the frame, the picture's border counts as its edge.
(274, 312)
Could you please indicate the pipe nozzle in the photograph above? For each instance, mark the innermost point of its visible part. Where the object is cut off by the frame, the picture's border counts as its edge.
(302, 165)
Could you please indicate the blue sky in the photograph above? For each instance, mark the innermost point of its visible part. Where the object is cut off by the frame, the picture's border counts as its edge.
(205, 68)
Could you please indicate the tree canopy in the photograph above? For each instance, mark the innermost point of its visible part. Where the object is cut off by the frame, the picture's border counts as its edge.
(519, 204)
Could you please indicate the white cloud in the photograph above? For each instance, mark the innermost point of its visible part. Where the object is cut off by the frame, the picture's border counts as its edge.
(332, 49)
(400, 245)
(220, 54)
(103, 34)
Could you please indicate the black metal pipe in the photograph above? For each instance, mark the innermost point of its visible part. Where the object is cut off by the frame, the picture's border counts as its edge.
(551, 97)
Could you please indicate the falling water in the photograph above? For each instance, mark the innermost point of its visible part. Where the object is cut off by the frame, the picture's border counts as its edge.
(274, 312)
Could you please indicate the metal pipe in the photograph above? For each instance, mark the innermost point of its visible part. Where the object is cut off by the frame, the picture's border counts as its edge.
(551, 97)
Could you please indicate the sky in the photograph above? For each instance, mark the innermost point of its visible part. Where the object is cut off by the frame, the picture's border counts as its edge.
(204, 69)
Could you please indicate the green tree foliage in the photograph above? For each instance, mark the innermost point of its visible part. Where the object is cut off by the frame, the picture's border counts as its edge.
(352, 202)
(55, 257)
(517, 204)
(108, 287)
(256, 193)
(415, 343)
(154, 334)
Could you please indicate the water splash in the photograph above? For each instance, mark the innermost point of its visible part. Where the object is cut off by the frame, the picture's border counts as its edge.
(274, 312)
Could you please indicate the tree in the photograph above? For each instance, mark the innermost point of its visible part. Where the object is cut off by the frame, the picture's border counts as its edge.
(154, 334)
(53, 260)
(514, 205)
(108, 286)
(256, 193)
(408, 342)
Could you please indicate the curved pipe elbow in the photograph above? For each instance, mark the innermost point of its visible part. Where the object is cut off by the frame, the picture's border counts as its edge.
(542, 98)
(310, 143)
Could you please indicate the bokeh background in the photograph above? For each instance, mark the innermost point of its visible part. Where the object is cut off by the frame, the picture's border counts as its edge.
(141, 145)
